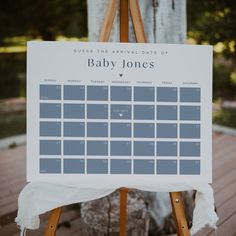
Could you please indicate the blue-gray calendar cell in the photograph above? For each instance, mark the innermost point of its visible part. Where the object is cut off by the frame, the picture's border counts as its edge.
(144, 112)
(121, 130)
(50, 92)
(120, 148)
(74, 129)
(166, 112)
(97, 129)
(190, 149)
(120, 166)
(189, 167)
(190, 94)
(121, 93)
(190, 113)
(97, 93)
(166, 148)
(144, 94)
(167, 94)
(74, 166)
(50, 110)
(166, 167)
(74, 92)
(50, 166)
(50, 129)
(189, 130)
(74, 147)
(121, 112)
(97, 111)
(74, 111)
(143, 148)
(145, 167)
(97, 166)
(50, 147)
(166, 130)
(97, 148)
(144, 130)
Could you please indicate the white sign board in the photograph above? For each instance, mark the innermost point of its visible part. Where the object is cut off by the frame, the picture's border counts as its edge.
(119, 114)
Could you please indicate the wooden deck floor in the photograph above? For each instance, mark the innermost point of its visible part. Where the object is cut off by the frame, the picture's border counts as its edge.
(12, 180)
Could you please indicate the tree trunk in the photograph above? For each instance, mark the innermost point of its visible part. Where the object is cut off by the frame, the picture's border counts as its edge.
(164, 22)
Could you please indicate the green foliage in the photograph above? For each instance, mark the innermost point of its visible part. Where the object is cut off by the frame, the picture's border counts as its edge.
(43, 18)
(224, 86)
(225, 117)
(213, 21)
(12, 66)
(12, 124)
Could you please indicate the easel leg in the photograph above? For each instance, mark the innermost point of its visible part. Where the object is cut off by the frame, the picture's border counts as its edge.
(53, 222)
(123, 210)
(137, 21)
(108, 21)
(179, 214)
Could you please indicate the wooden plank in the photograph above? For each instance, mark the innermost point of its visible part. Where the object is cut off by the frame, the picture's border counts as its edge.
(227, 228)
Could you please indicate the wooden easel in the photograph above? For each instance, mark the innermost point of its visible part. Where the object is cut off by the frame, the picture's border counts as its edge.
(175, 197)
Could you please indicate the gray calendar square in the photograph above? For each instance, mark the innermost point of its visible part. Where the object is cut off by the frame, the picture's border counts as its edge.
(50, 92)
(166, 112)
(97, 111)
(144, 112)
(120, 148)
(190, 95)
(50, 165)
(144, 94)
(166, 148)
(166, 167)
(143, 148)
(190, 113)
(97, 148)
(167, 94)
(144, 167)
(189, 130)
(50, 147)
(97, 93)
(74, 166)
(50, 129)
(74, 129)
(121, 130)
(121, 93)
(97, 129)
(144, 130)
(74, 111)
(74, 92)
(74, 147)
(97, 166)
(120, 166)
(190, 149)
(189, 167)
(121, 112)
(50, 110)
(166, 130)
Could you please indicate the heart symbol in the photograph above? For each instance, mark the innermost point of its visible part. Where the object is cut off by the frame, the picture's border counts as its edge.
(120, 75)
